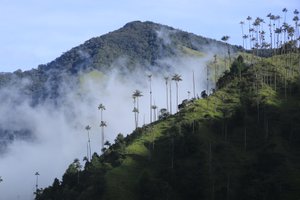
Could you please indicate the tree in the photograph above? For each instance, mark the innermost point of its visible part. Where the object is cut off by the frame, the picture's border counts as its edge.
(135, 111)
(249, 31)
(167, 100)
(1, 179)
(102, 125)
(225, 39)
(163, 114)
(37, 181)
(101, 107)
(204, 94)
(150, 89)
(176, 78)
(89, 151)
(136, 94)
(154, 107)
(242, 27)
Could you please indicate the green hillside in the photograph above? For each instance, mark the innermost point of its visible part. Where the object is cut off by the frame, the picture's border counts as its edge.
(240, 142)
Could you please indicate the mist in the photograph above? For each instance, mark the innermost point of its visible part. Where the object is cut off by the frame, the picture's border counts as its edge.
(58, 131)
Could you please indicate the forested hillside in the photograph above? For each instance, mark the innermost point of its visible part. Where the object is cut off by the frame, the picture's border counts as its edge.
(239, 142)
(138, 46)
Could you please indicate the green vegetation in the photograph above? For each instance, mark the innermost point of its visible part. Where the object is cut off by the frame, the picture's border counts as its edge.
(240, 142)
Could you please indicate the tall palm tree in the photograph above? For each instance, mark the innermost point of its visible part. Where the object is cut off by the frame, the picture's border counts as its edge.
(216, 71)
(225, 39)
(37, 181)
(135, 111)
(137, 94)
(77, 166)
(285, 11)
(150, 90)
(242, 27)
(167, 100)
(154, 107)
(102, 125)
(176, 78)
(249, 30)
(101, 107)
(194, 90)
(89, 151)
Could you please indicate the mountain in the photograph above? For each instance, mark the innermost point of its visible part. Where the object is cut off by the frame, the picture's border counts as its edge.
(141, 46)
(240, 142)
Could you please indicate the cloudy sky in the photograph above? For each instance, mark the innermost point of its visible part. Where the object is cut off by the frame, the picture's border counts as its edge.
(35, 32)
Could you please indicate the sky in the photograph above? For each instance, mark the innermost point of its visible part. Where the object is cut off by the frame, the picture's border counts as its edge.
(36, 32)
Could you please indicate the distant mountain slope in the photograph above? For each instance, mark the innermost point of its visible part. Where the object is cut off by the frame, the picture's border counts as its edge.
(141, 43)
(136, 46)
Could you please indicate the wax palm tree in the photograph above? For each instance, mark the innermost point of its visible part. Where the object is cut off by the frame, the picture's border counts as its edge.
(37, 181)
(137, 94)
(77, 166)
(167, 100)
(225, 39)
(194, 90)
(135, 111)
(101, 107)
(150, 90)
(285, 11)
(89, 151)
(176, 78)
(154, 107)
(170, 88)
(102, 125)
(242, 27)
(249, 30)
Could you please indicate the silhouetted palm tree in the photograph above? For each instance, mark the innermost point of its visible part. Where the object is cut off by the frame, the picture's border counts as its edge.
(102, 125)
(150, 90)
(37, 181)
(249, 30)
(135, 111)
(176, 78)
(137, 94)
(167, 100)
(89, 151)
(101, 107)
(154, 107)
(225, 39)
(242, 27)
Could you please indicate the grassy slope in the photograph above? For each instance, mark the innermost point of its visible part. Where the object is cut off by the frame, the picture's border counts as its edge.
(123, 180)
(211, 158)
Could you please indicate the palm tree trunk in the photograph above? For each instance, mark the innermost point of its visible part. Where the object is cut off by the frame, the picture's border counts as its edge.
(167, 99)
(194, 91)
(102, 137)
(150, 101)
(170, 98)
(176, 96)
(89, 146)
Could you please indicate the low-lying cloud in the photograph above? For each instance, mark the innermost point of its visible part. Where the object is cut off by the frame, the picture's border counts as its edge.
(58, 131)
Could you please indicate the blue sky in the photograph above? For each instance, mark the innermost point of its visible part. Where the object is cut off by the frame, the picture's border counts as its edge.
(35, 32)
